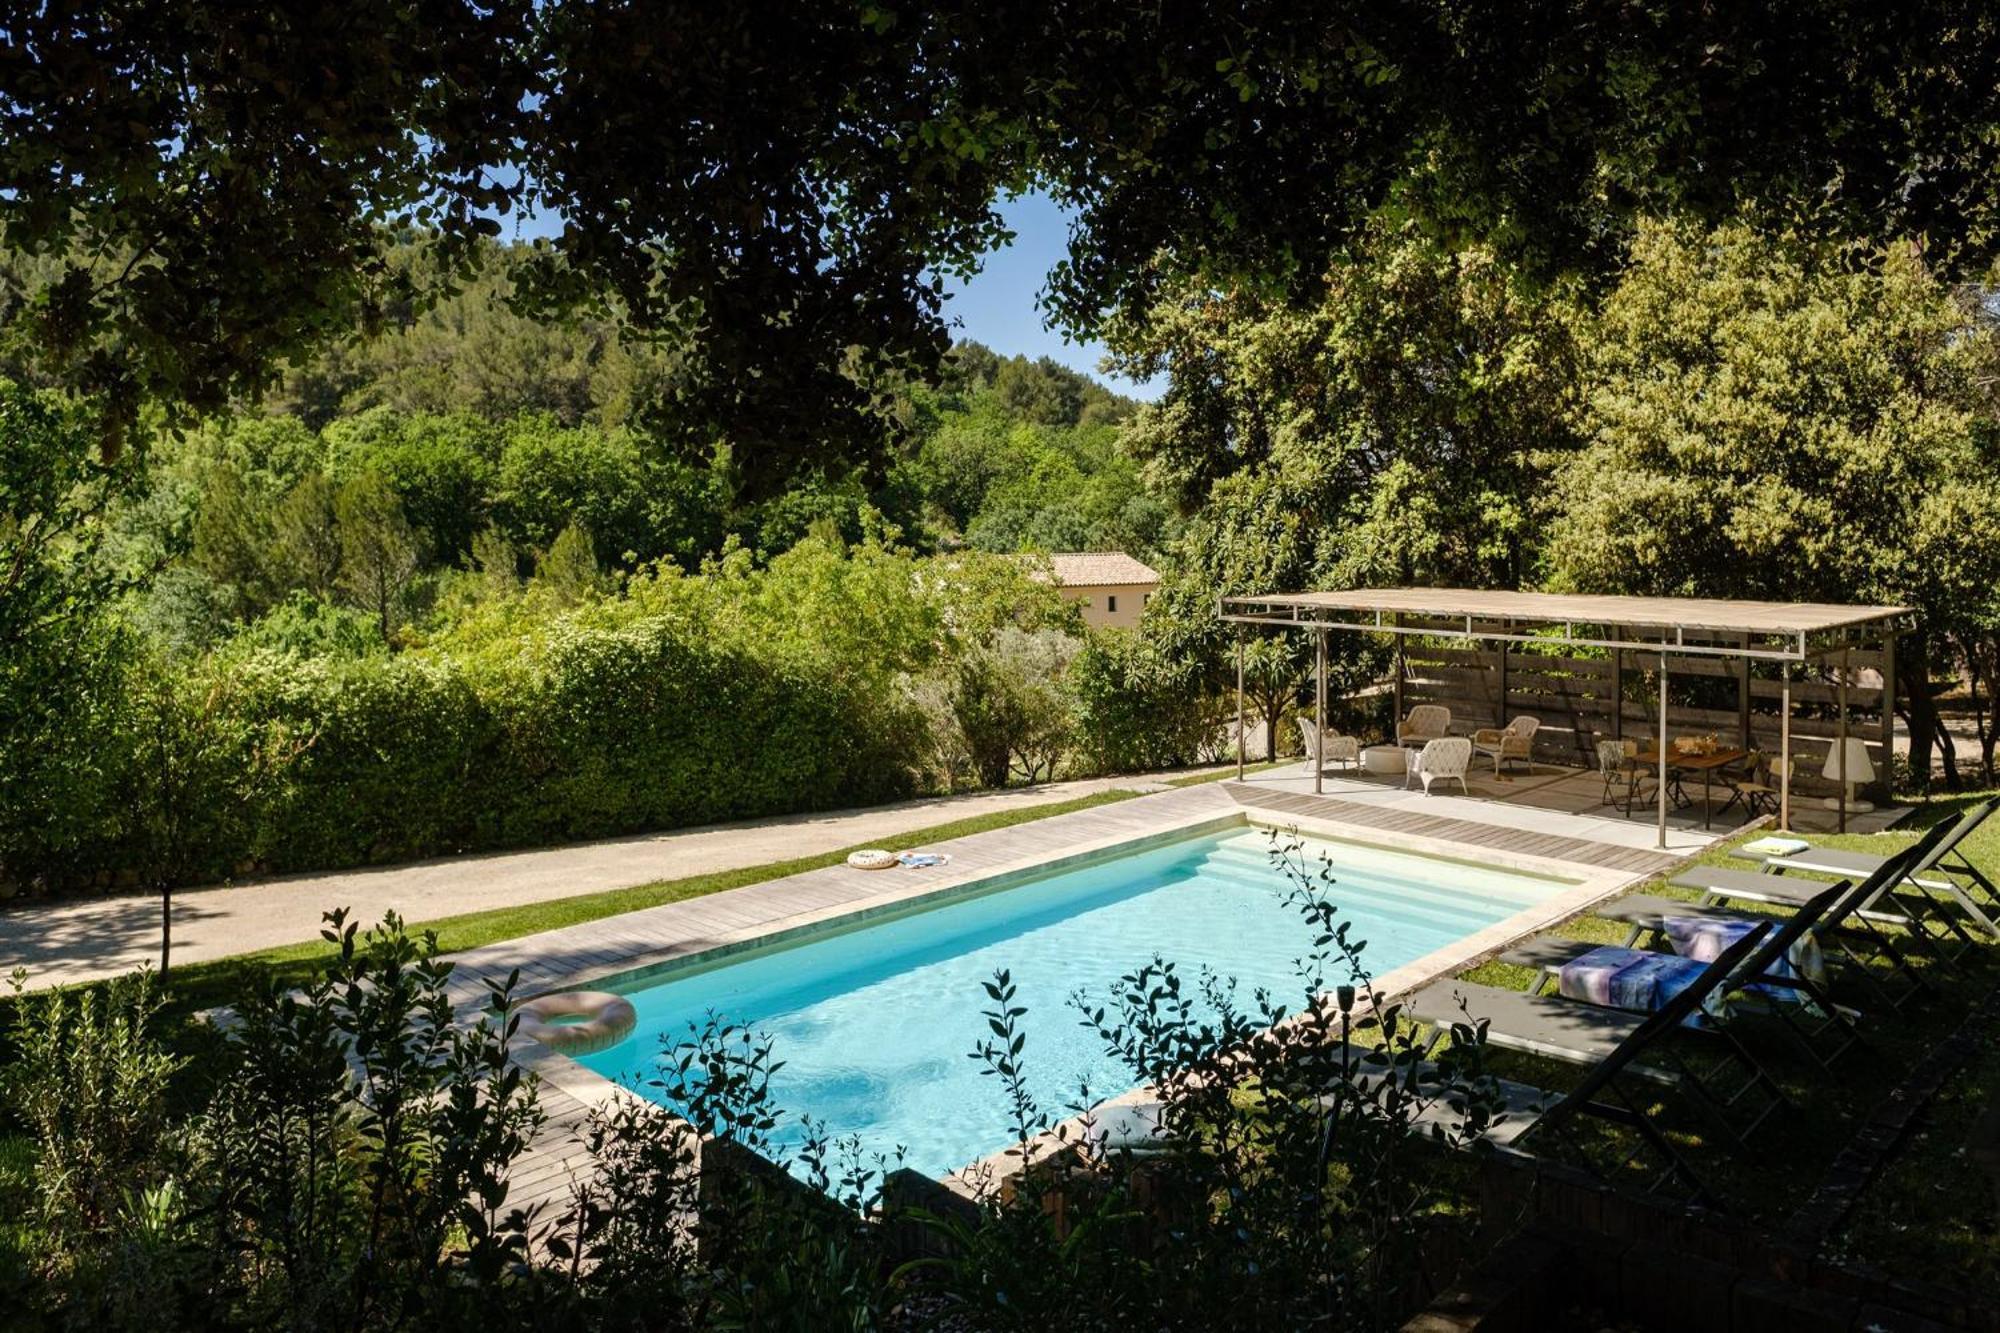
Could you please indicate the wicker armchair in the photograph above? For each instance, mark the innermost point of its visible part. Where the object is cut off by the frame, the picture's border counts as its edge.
(1515, 741)
(1445, 758)
(1329, 748)
(1426, 722)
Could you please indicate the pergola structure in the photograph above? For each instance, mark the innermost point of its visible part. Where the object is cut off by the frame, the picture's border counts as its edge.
(1790, 634)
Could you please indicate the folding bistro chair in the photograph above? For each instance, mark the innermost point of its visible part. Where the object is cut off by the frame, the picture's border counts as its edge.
(1750, 786)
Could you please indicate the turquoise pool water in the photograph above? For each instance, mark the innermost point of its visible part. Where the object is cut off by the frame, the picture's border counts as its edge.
(874, 1024)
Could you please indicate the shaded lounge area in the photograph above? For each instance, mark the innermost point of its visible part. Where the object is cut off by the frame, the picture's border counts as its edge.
(1685, 713)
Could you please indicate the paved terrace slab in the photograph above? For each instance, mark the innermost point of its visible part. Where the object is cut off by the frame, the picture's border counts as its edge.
(1549, 799)
(1593, 854)
(83, 939)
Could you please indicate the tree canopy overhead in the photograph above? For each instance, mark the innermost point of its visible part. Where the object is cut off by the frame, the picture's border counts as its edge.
(200, 192)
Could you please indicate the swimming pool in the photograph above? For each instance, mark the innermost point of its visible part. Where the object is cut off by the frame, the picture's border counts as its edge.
(874, 1023)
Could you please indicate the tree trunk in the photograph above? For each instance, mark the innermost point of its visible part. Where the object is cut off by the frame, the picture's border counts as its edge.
(1271, 707)
(1982, 669)
(166, 927)
(1919, 710)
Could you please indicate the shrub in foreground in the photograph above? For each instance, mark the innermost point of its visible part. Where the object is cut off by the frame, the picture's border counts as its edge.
(345, 1171)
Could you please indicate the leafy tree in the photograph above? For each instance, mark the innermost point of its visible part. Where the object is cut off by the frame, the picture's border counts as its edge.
(550, 479)
(379, 554)
(1412, 409)
(200, 765)
(1206, 147)
(1135, 709)
(269, 453)
(215, 205)
(60, 659)
(568, 569)
(1042, 391)
(476, 351)
(305, 529)
(441, 468)
(1010, 704)
(497, 562)
(812, 503)
(1258, 534)
(1768, 420)
(233, 541)
(966, 454)
(307, 626)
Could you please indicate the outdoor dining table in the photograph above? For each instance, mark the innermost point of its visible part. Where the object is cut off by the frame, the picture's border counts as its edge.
(1705, 764)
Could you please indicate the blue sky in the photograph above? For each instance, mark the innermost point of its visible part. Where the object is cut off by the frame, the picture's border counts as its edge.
(997, 307)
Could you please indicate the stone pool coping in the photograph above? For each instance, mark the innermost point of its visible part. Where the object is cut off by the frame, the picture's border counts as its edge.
(641, 946)
(1590, 886)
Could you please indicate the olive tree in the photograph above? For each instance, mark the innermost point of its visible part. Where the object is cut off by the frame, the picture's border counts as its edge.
(1772, 420)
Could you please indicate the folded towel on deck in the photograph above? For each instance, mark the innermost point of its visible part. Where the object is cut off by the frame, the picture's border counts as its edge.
(1776, 846)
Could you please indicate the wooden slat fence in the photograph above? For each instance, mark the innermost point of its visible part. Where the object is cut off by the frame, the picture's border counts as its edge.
(1578, 699)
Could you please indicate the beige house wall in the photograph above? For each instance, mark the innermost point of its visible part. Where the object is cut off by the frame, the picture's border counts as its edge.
(1098, 597)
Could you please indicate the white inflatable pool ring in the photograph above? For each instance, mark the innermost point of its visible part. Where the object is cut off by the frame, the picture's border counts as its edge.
(872, 859)
(606, 1020)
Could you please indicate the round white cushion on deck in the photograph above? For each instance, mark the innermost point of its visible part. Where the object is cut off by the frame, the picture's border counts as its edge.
(1384, 759)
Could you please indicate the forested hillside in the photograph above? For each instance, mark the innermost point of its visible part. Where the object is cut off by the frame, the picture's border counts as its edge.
(448, 587)
(453, 585)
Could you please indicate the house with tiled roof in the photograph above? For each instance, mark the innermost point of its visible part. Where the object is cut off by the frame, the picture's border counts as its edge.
(1112, 586)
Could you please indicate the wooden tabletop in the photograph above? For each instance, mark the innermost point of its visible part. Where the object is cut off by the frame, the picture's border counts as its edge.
(1675, 759)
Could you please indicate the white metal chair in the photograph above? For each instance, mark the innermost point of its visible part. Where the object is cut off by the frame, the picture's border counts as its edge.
(1514, 741)
(1426, 722)
(1441, 759)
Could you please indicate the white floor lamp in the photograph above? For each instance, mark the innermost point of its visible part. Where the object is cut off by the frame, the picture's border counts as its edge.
(1859, 770)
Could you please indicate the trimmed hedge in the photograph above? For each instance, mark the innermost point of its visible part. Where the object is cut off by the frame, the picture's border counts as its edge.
(567, 733)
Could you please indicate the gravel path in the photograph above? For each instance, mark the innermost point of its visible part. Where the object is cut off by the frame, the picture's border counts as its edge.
(86, 938)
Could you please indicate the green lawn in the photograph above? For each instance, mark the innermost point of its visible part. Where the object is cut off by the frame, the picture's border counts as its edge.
(1935, 1212)
(1223, 774)
(1914, 1210)
(204, 985)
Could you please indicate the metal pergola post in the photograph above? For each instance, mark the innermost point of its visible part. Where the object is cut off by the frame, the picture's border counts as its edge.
(1239, 706)
(1840, 739)
(1785, 747)
(1396, 688)
(1319, 713)
(1662, 792)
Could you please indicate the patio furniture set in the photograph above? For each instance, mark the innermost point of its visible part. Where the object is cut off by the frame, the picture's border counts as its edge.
(1751, 778)
(1424, 750)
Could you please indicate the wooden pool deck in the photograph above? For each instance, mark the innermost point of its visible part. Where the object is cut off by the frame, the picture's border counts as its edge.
(1598, 856)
